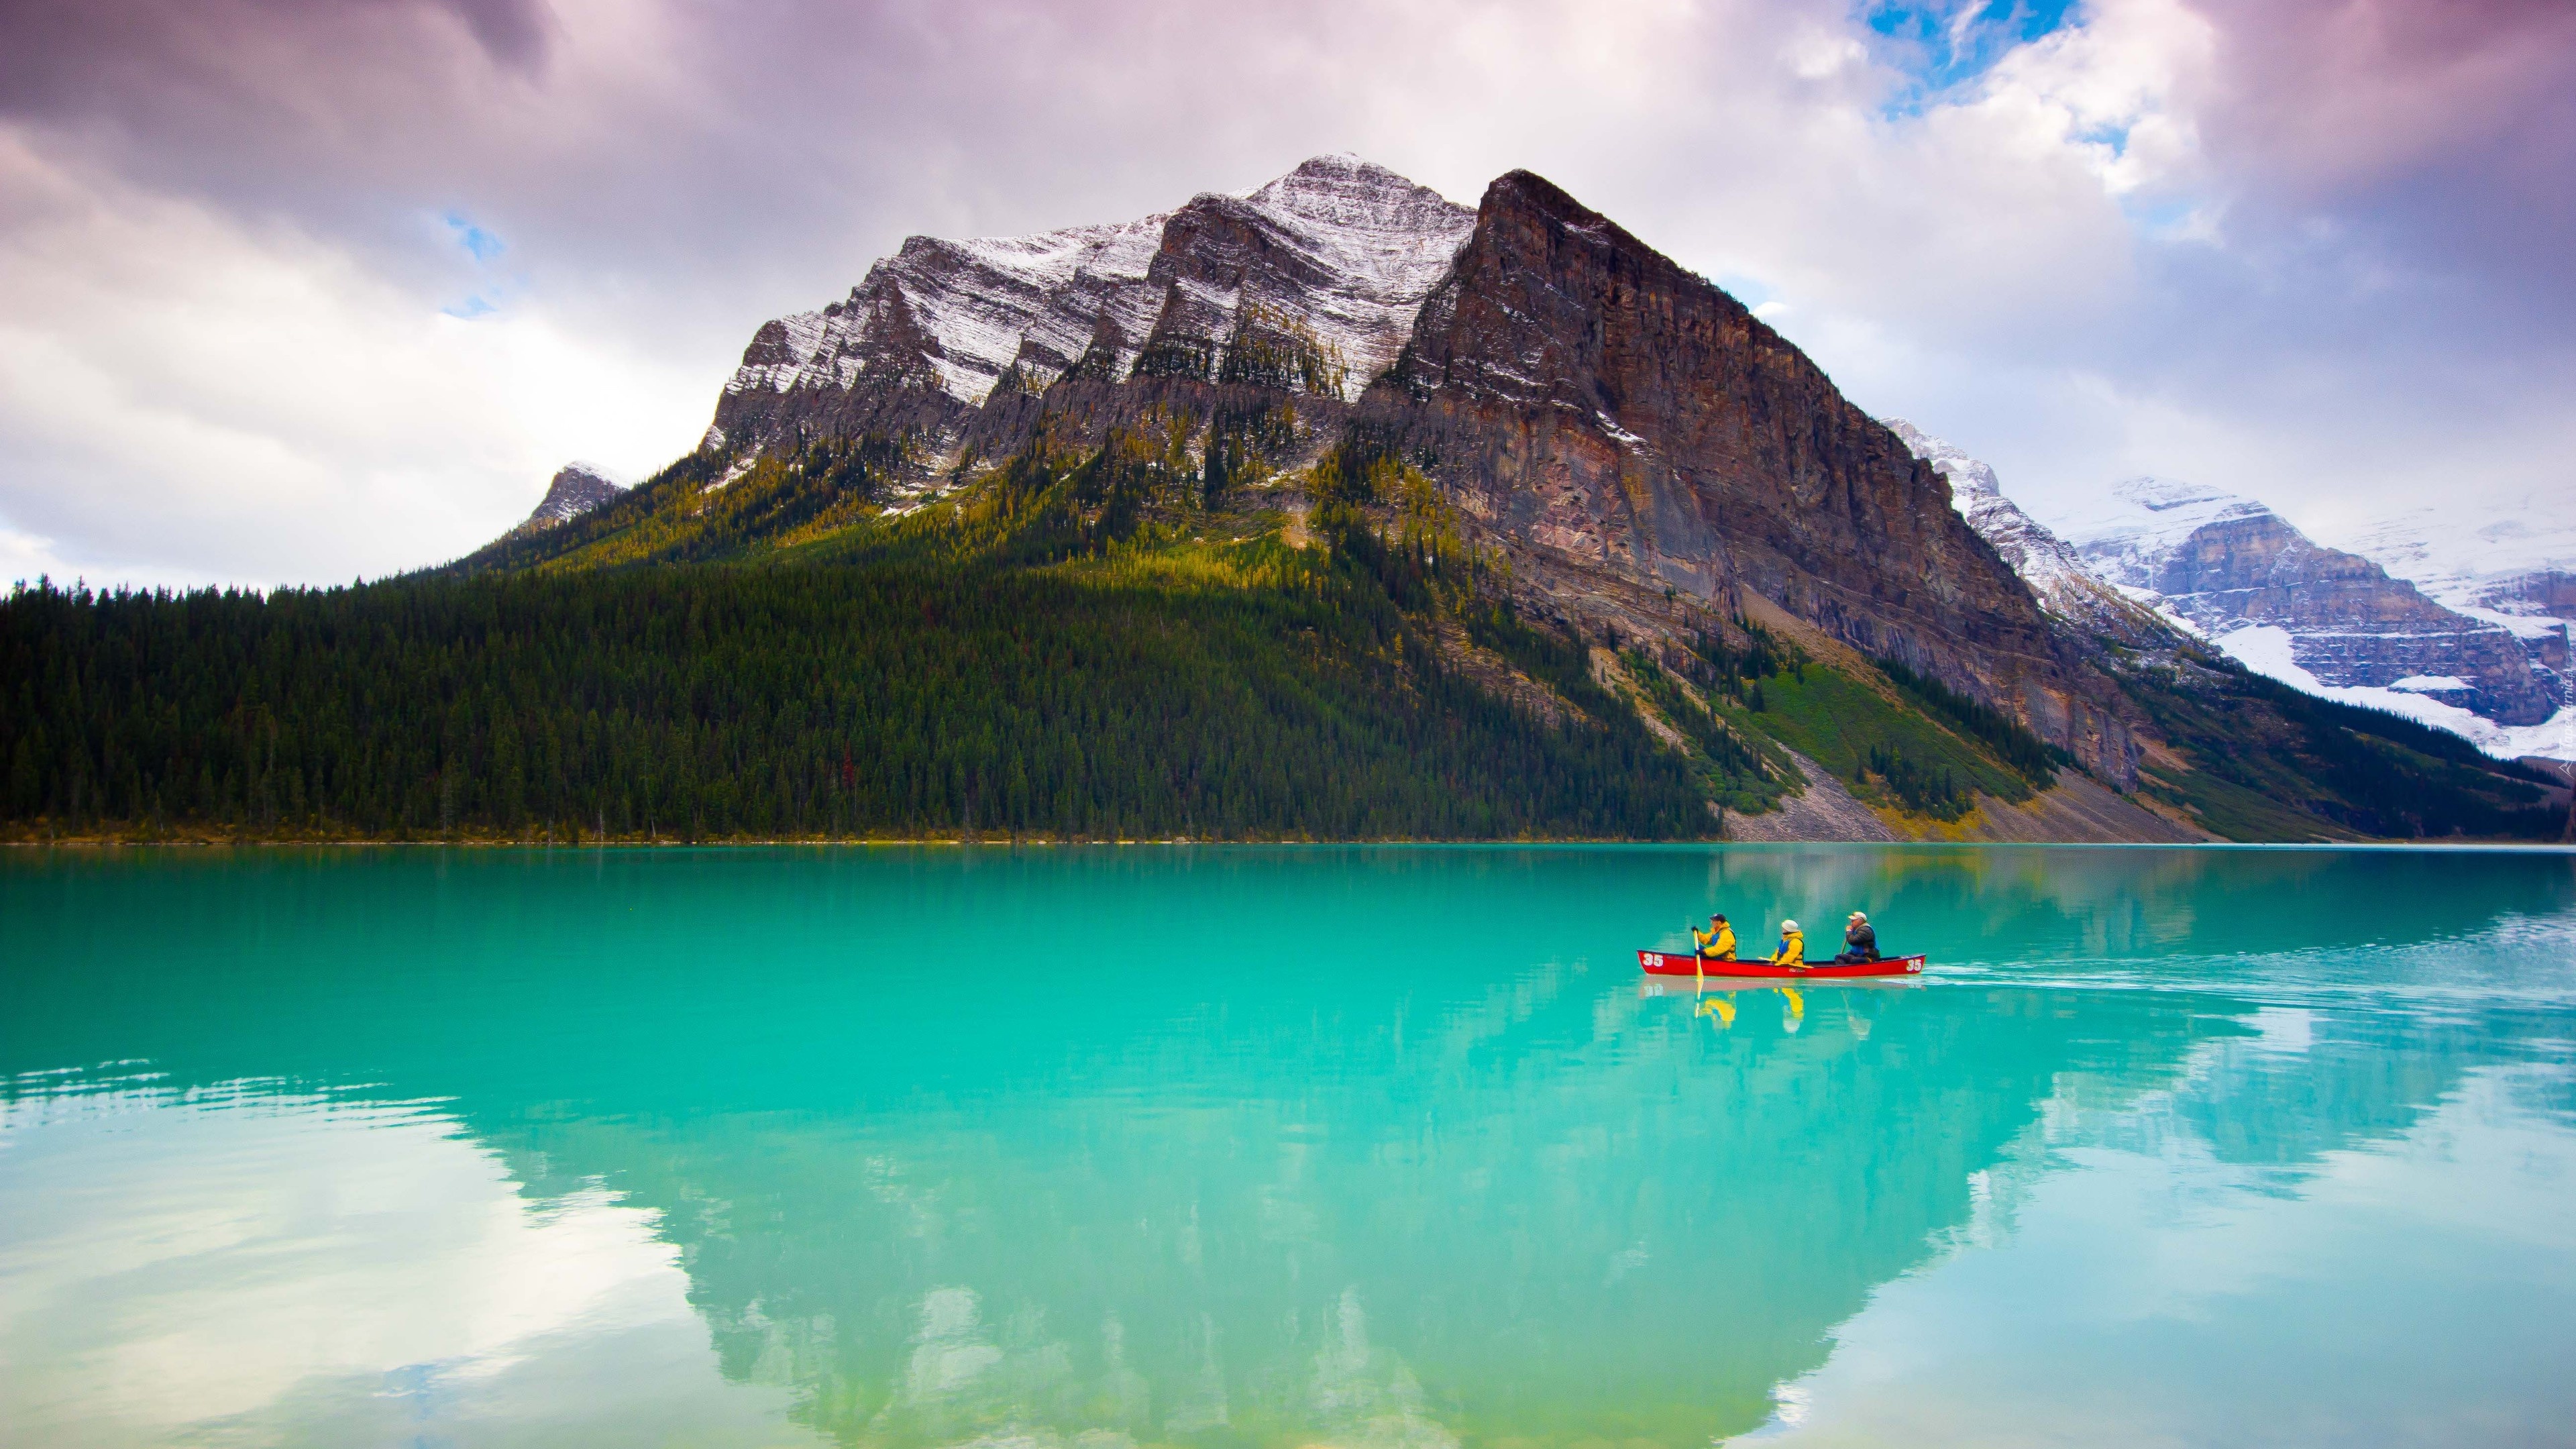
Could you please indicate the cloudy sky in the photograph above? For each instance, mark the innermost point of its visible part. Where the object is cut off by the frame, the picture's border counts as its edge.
(299, 290)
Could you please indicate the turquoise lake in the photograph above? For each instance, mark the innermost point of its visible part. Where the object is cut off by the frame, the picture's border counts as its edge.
(1242, 1148)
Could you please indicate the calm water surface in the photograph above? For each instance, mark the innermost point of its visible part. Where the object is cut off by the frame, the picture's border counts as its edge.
(1257, 1149)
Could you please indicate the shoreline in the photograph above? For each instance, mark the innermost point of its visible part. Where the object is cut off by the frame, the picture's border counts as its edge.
(112, 843)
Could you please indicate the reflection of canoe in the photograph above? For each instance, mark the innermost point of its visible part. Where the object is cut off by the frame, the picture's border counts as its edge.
(1682, 963)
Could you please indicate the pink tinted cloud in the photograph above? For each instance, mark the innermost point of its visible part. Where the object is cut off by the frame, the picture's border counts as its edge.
(668, 172)
(2335, 101)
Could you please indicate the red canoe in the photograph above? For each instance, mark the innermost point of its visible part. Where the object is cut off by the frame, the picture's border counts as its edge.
(1673, 963)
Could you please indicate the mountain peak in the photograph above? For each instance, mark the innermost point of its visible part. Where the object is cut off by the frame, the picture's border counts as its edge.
(1529, 186)
(576, 489)
(1336, 255)
(2143, 519)
(1343, 190)
(1339, 168)
(2164, 495)
(1967, 475)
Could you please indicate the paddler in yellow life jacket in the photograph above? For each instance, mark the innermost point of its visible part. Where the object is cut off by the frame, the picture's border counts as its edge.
(1717, 943)
(1793, 946)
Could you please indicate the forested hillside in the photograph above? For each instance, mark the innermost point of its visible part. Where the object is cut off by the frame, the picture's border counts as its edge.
(1049, 663)
(720, 703)
(2259, 760)
(1129, 641)
(1330, 511)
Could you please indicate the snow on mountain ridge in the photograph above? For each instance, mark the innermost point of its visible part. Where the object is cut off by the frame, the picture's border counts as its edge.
(2493, 569)
(2126, 538)
(2271, 651)
(1946, 458)
(2431, 542)
(979, 301)
(575, 489)
(1366, 244)
(2055, 573)
(1392, 239)
(2226, 569)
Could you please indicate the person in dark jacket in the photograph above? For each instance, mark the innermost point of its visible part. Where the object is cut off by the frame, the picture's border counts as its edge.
(1860, 941)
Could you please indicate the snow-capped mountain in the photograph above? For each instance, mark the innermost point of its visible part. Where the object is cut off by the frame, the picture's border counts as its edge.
(577, 488)
(1639, 458)
(1622, 427)
(2499, 561)
(1313, 279)
(2482, 660)
(2517, 570)
(2065, 586)
(2131, 535)
(2332, 622)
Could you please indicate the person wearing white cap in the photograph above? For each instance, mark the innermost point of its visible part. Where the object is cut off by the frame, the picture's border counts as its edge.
(1793, 946)
(1860, 941)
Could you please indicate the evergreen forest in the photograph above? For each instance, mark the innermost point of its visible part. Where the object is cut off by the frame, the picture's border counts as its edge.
(1124, 641)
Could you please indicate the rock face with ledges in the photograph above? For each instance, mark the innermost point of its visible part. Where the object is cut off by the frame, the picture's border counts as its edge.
(1585, 395)
(2513, 566)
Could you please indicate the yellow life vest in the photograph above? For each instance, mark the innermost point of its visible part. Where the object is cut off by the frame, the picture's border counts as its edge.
(1793, 949)
(1717, 945)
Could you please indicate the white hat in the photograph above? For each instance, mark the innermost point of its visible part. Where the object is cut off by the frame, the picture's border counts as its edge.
(1860, 915)
(1788, 925)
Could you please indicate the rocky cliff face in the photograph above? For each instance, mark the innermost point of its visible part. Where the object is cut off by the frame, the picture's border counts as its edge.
(577, 488)
(2539, 608)
(1615, 424)
(1584, 397)
(2225, 563)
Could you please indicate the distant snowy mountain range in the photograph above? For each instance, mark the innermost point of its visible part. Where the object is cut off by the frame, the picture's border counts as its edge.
(2517, 570)
(2463, 625)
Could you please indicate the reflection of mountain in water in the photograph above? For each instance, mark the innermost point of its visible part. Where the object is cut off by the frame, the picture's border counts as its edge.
(1390, 1168)
(1557, 1212)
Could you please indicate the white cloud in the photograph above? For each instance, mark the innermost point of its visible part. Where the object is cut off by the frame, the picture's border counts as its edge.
(2110, 91)
(224, 356)
(189, 396)
(2143, 1289)
(292, 1269)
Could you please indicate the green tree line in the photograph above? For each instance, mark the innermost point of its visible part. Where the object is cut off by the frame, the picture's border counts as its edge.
(729, 701)
(2366, 770)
